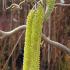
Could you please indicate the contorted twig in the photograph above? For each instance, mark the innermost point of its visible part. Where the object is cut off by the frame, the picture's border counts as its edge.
(17, 6)
(4, 34)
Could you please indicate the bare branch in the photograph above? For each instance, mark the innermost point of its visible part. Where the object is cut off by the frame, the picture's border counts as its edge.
(61, 4)
(4, 34)
(56, 44)
(16, 6)
(12, 6)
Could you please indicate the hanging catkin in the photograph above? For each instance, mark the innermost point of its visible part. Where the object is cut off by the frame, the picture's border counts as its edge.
(36, 37)
(32, 39)
(27, 48)
(33, 35)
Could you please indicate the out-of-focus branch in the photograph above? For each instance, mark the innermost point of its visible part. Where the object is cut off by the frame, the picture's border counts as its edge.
(16, 6)
(12, 6)
(19, 6)
(4, 66)
(4, 34)
(62, 4)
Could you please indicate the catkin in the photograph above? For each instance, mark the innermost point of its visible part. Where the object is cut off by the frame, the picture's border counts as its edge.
(27, 48)
(36, 37)
(33, 35)
(33, 38)
(50, 7)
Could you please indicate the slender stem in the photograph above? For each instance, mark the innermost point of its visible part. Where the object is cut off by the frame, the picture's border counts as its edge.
(13, 50)
(61, 4)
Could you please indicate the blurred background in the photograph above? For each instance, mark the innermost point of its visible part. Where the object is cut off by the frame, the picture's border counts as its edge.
(57, 28)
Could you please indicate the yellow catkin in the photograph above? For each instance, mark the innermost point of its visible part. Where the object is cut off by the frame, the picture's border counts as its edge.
(33, 36)
(32, 39)
(36, 37)
(27, 49)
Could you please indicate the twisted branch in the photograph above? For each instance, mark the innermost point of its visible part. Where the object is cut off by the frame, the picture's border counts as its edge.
(56, 44)
(17, 6)
(4, 34)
